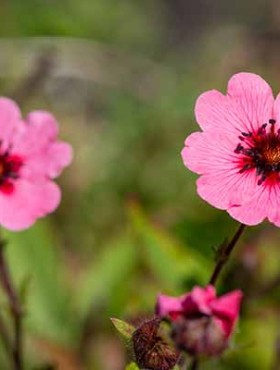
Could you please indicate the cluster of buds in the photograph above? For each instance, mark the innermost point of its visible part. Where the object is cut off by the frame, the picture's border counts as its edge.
(197, 323)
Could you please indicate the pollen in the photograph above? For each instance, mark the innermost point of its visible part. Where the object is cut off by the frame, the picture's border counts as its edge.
(271, 153)
(2, 168)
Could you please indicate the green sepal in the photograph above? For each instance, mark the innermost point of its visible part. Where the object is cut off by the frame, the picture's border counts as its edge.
(125, 329)
(132, 366)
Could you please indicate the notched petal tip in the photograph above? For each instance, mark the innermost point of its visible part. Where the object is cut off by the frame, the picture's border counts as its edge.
(208, 109)
(246, 81)
(44, 121)
(9, 105)
(61, 156)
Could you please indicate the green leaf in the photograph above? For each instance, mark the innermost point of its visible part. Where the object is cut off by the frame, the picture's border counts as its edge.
(125, 329)
(171, 262)
(132, 366)
(108, 273)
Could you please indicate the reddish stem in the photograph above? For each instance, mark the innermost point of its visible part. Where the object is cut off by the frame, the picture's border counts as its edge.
(15, 307)
(224, 254)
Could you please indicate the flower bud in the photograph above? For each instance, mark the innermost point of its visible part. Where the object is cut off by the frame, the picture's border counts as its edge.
(199, 336)
(201, 322)
(151, 348)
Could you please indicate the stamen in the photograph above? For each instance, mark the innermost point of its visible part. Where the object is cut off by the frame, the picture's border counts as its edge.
(274, 167)
(250, 152)
(238, 149)
(259, 170)
(272, 121)
(261, 130)
(13, 175)
(246, 167)
(262, 179)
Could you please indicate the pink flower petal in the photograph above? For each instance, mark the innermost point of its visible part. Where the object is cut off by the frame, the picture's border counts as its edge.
(27, 202)
(255, 210)
(264, 204)
(273, 207)
(60, 155)
(226, 308)
(198, 301)
(44, 122)
(254, 98)
(227, 189)
(167, 305)
(212, 154)
(208, 152)
(214, 111)
(39, 130)
(10, 117)
(247, 105)
(50, 161)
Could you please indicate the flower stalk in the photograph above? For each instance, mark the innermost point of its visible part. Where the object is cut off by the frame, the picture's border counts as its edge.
(5, 337)
(224, 254)
(15, 308)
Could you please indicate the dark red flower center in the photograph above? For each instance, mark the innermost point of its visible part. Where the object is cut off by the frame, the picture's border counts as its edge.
(10, 165)
(261, 151)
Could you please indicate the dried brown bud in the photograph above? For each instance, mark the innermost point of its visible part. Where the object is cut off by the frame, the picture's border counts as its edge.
(151, 349)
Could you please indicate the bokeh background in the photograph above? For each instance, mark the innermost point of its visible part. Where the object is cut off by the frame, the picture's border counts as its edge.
(122, 78)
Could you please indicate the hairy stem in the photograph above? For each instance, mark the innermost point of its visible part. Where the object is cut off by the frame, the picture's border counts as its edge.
(6, 340)
(224, 254)
(15, 308)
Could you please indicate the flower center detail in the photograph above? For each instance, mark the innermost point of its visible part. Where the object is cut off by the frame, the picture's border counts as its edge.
(261, 151)
(10, 165)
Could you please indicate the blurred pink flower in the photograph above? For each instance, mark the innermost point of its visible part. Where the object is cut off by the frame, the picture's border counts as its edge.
(30, 157)
(202, 322)
(237, 153)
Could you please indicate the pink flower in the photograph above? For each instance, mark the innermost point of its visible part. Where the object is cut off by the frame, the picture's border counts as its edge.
(202, 322)
(237, 153)
(30, 157)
